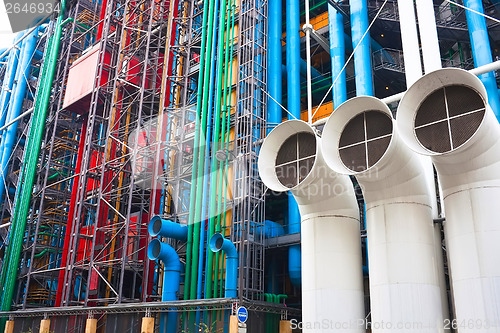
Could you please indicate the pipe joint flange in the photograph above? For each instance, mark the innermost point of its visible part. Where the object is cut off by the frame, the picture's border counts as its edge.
(307, 27)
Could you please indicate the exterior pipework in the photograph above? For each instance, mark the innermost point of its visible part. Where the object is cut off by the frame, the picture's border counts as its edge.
(481, 51)
(190, 249)
(71, 210)
(404, 279)
(411, 54)
(215, 145)
(362, 56)
(171, 264)
(274, 63)
(329, 235)
(468, 174)
(29, 167)
(8, 80)
(428, 35)
(207, 166)
(219, 243)
(337, 54)
(16, 104)
(171, 279)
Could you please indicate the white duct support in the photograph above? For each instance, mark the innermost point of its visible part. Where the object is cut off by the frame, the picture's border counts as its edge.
(409, 39)
(428, 35)
(457, 128)
(332, 280)
(404, 281)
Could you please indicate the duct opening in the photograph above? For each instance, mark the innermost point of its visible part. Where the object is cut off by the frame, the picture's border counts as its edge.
(448, 118)
(365, 139)
(156, 227)
(295, 158)
(154, 248)
(218, 243)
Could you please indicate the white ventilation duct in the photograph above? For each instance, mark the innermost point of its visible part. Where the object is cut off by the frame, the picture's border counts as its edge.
(360, 139)
(332, 281)
(445, 115)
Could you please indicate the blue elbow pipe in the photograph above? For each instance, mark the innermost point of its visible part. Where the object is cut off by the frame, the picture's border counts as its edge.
(219, 243)
(171, 279)
(481, 51)
(8, 80)
(362, 56)
(337, 53)
(274, 64)
(271, 229)
(294, 251)
(19, 93)
(166, 228)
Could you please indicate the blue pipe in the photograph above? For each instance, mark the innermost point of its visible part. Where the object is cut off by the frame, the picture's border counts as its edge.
(274, 62)
(207, 166)
(481, 51)
(8, 81)
(171, 279)
(166, 228)
(293, 57)
(362, 56)
(337, 53)
(270, 229)
(219, 243)
(293, 96)
(16, 105)
(170, 258)
(294, 254)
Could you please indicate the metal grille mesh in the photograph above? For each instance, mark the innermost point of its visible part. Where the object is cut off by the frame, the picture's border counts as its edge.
(448, 117)
(295, 158)
(365, 139)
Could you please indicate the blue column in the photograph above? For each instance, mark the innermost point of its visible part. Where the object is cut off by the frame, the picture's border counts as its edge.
(274, 63)
(362, 56)
(337, 53)
(481, 51)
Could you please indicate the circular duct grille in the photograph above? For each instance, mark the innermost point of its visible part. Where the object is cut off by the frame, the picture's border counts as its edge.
(295, 158)
(448, 117)
(365, 139)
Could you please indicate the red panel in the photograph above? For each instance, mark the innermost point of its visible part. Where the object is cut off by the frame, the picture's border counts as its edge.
(81, 77)
(84, 245)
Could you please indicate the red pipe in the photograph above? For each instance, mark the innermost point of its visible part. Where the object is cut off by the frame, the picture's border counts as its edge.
(101, 18)
(69, 224)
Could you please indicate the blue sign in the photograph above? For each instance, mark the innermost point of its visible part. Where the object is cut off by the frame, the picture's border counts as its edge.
(242, 314)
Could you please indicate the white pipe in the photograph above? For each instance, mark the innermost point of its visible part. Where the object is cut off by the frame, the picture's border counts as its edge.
(468, 172)
(413, 71)
(404, 280)
(332, 279)
(409, 39)
(428, 35)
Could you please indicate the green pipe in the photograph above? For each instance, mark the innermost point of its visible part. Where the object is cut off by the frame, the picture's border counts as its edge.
(70, 19)
(45, 251)
(215, 147)
(192, 196)
(225, 134)
(201, 159)
(34, 143)
(228, 124)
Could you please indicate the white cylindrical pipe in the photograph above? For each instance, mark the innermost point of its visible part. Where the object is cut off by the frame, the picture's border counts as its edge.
(428, 35)
(404, 280)
(456, 127)
(332, 280)
(409, 39)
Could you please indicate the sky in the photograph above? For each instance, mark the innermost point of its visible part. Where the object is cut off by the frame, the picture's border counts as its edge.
(6, 35)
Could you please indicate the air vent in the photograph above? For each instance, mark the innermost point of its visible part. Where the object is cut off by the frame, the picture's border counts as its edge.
(295, 159)
(448, 117)
(365, 139)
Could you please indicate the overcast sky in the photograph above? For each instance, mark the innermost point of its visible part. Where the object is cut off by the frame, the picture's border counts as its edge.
(6, 35)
